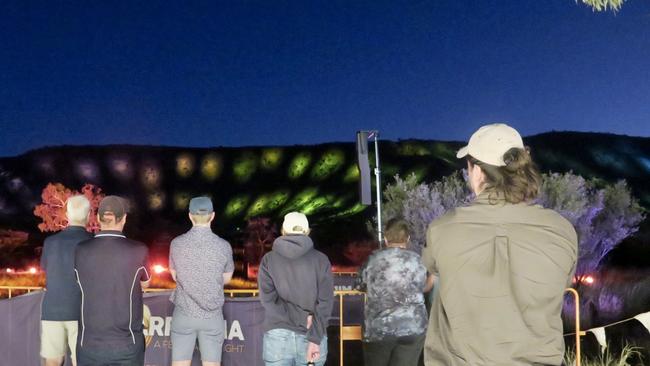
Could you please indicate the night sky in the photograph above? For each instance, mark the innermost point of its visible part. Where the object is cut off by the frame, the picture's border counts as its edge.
(234, 73)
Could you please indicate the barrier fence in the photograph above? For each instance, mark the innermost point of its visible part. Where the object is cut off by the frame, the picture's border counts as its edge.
(347, 332)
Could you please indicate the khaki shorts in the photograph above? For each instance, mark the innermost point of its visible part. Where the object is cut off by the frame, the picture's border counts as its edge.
(54, 337)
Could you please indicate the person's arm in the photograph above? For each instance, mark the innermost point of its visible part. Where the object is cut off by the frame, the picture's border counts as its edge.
(271, 301)
(230, 265)
(431, 281)
(360, 281)
(145, 278)
(227, 277)
(428, 252)
(323, 309)
(172, 266)
(44, 256)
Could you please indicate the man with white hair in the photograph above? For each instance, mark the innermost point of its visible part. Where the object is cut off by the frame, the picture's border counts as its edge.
(61, 303)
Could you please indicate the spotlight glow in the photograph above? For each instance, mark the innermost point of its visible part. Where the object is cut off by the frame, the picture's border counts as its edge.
(589, 280)
(158, 269)
(299, 165)
(9, 270)
(185, 165)
(33, 270)
(211, 167)
(271, 158)
(328, 164)
(244, 167)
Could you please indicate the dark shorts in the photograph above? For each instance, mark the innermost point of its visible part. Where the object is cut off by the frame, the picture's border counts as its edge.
(129, 355)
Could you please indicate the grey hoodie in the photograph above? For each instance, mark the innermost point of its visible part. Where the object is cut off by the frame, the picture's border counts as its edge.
(295, 280)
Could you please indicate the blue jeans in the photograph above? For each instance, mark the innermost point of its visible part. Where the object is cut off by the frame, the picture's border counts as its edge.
(282, 347)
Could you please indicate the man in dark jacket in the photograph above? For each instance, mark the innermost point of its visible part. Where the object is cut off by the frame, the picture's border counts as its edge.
(297, 292)
(62, 300)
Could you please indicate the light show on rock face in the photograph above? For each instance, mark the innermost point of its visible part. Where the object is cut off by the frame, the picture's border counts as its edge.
(248, 183)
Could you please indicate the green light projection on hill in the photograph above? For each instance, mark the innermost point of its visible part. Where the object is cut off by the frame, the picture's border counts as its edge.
(419, 171)
(445, 153)
(299, 164)
(278, 199)
(329, 163)
(352, 174)
(413, 149)
(300, 200)
(355, 209)
(184, 165)
(271, 158)
(236, 206)
(244, 167)
(211, 166)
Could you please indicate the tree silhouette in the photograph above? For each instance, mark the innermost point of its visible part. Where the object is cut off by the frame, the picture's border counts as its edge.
(53, 209)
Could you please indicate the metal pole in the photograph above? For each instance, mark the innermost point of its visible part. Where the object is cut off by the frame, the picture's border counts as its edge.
(378, 184)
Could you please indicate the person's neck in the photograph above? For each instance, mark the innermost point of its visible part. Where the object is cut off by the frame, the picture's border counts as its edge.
(396, 245)
(201, 226)
(77, 225)
(108, 228)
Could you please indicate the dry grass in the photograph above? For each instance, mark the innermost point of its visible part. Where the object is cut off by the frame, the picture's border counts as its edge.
(608, 359)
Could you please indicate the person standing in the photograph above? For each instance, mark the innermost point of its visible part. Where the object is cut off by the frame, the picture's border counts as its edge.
(111, 273)
(503, 263)
(201, 264)
(297, 293)
(61, 301)
(394, 279)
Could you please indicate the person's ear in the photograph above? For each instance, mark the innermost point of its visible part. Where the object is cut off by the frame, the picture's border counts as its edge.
(211, 217)
(123, 221)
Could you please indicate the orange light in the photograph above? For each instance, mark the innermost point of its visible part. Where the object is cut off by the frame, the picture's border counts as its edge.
(33, 270)
(159, 269)
(589, 280)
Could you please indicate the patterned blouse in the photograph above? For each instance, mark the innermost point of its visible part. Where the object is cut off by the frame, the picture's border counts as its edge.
(393, 279)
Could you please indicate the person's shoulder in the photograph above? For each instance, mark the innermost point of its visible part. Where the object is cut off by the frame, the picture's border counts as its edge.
(137, 245)
(552, 218)
(54, 237)
(451, 217)
(320, 257)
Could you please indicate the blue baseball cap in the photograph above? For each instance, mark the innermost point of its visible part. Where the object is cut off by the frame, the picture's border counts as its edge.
(201, 206)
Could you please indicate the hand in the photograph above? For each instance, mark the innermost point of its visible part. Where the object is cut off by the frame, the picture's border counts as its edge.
(313, 352)
(309, 321)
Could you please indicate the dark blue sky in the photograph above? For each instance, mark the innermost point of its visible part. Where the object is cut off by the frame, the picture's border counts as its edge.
(246, 72)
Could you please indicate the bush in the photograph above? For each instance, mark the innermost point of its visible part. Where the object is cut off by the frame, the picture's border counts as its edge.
(603, 214)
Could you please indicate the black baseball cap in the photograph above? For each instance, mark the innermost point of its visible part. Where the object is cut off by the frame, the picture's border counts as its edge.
(115, 205)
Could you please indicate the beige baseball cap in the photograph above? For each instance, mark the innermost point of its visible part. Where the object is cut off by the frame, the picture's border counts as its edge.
(295, 223)
(491, 142)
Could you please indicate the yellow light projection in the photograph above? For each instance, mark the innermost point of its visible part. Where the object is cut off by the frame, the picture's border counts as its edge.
(185, 165)
(211, 166)
(182, 200)
(156, 200)
(150, 176)
(271, 158)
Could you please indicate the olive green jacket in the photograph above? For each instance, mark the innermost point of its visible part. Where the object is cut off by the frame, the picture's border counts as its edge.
(502, 269)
